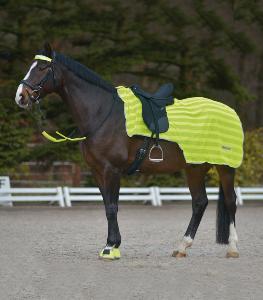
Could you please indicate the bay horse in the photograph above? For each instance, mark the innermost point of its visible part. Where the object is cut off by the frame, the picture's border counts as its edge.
(108, 150)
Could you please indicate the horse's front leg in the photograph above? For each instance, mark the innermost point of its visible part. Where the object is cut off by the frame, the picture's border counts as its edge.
(108, 181)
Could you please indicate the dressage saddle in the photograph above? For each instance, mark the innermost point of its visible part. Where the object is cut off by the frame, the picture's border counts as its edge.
(154, 107)
(155, 117)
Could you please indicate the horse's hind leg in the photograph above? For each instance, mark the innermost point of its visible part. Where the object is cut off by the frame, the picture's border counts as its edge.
(195, 177)
(226, 227)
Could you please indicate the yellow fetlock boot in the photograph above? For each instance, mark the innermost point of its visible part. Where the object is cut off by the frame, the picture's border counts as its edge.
(110, 252)
(117, 253)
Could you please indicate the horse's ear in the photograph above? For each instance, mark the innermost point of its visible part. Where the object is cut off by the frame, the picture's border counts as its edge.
(48, 50)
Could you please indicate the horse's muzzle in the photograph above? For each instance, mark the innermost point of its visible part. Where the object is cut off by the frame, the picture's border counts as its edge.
(23, 97)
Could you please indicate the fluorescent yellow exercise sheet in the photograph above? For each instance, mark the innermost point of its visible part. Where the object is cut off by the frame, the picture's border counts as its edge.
(206, 130)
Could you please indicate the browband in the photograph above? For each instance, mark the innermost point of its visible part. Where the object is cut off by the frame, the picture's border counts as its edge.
(43, 57)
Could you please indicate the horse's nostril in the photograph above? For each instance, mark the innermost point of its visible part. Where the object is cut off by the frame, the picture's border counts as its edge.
(21, 99)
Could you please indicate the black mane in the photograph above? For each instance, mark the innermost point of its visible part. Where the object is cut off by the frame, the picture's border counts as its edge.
(83, 72)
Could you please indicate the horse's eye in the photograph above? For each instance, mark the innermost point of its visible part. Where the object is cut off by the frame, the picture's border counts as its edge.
(42, 68)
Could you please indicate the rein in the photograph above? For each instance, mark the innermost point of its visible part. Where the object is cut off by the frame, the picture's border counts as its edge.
(65, 138)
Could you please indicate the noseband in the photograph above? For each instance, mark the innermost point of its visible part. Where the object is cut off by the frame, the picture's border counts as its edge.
(36, 89)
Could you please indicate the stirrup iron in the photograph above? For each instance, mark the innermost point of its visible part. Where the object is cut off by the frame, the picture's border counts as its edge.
(156, 160)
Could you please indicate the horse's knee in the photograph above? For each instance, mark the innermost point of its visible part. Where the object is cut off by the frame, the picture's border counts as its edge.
(111, 211)
(200, 204)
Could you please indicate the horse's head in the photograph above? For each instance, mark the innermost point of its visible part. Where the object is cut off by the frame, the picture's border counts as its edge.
(39, 80)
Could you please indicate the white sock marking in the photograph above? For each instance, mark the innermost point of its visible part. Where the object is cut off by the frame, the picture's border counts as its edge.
(108, 247)
(233, 239)
(185, 243)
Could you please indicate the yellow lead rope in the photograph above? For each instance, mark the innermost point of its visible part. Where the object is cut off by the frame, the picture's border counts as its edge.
(64, 138)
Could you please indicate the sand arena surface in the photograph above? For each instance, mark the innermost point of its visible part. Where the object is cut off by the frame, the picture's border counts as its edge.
(51, 253)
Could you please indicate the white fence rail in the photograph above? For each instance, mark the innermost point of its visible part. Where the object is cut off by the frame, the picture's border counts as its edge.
(250, 193)
(126, 194)
(32, 195)
(155, 195)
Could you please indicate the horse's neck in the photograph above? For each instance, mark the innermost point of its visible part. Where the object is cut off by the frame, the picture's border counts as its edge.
(89, 104)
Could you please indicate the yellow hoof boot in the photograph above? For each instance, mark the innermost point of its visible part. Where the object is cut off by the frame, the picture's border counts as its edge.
(110, 253)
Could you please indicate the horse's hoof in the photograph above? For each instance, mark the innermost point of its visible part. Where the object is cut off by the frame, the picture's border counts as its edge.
(232, 254)
(178, 254)
(110, 253)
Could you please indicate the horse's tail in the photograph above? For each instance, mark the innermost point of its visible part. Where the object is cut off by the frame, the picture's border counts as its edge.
(223, 220)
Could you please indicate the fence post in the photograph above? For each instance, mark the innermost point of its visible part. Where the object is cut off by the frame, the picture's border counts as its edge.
(239, 195)
(5, 185)
(157, 196)
(61, 198)
(153, 198)
(67, 196)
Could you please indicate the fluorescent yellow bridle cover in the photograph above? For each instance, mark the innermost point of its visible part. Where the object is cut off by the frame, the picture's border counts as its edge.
(43, 57)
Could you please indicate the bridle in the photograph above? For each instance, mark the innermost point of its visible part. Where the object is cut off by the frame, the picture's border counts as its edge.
(35, 96)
